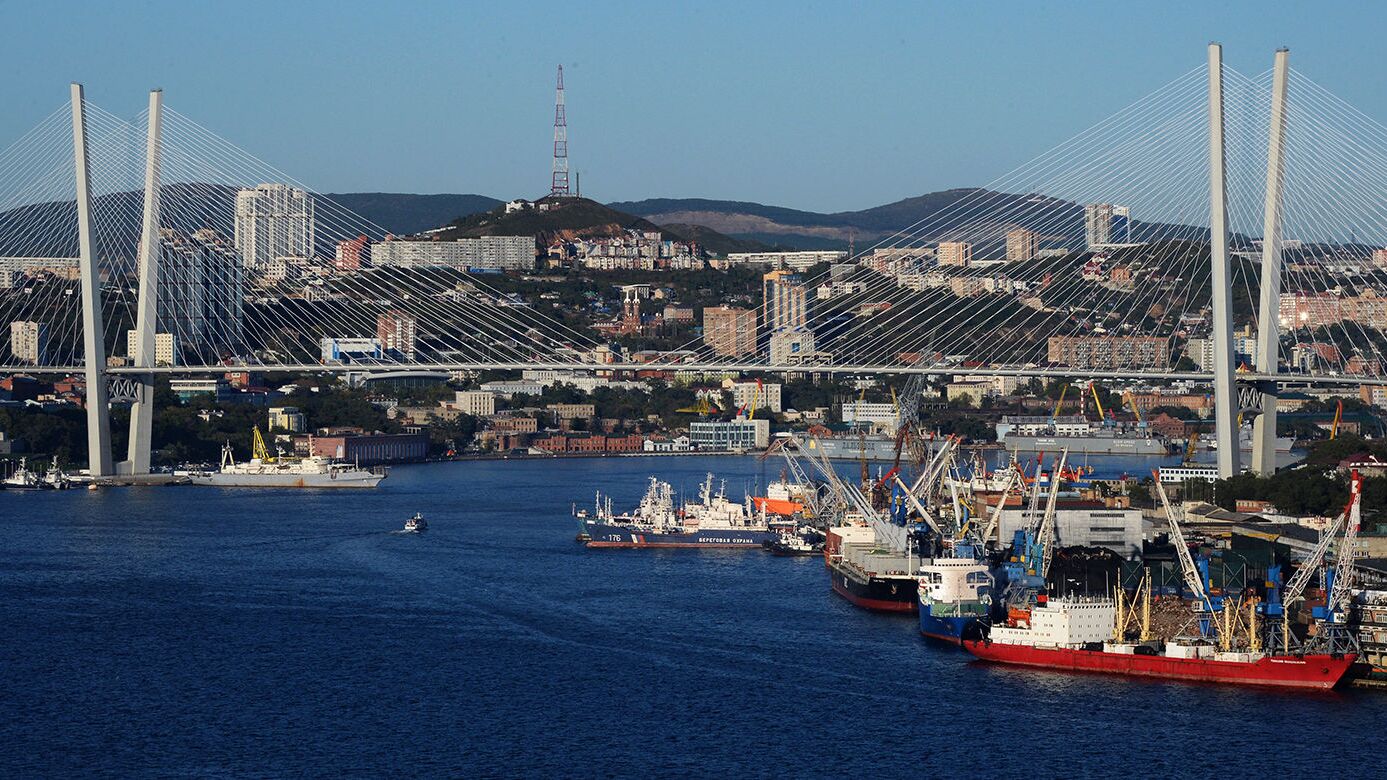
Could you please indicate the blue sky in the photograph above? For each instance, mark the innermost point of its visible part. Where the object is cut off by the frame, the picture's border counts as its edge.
(821, 106)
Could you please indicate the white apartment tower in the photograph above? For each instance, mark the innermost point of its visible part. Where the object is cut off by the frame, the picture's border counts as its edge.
(29, 341)
(273, 221)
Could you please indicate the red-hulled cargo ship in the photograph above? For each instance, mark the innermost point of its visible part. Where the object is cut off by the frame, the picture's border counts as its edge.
(1076, 635)
(1284, 671)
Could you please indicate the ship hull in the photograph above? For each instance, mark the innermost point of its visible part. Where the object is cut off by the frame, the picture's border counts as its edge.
(878, 594)
(606, 535)
(1320, 672)
(952, 629)
(1092, 445)
(286, 480)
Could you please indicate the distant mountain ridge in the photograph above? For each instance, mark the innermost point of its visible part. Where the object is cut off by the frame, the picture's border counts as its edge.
(807, 229)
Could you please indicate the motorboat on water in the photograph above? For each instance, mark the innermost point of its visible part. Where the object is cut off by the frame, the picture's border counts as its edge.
(416, 524)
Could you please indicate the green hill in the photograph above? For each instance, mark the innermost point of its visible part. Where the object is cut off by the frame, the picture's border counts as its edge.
(553, 219)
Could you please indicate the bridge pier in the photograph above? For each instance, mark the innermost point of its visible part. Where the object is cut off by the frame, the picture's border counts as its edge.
(93, 330)
(1221, 285)
(147, 308)
(1268, 326)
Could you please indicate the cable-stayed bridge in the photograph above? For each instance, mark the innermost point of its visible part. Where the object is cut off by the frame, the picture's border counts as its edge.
(1237, 221)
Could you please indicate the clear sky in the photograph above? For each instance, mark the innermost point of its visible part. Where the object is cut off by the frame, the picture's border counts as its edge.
(813, 105)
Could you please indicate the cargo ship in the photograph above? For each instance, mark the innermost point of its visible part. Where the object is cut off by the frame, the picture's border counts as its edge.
(1077, 635)
(712, 521)
(955, 597)
(870, 575)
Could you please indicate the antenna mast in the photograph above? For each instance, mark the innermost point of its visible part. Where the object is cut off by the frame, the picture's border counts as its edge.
(559, 187)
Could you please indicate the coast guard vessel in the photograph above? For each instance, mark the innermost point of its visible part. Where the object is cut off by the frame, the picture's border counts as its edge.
(712, 521)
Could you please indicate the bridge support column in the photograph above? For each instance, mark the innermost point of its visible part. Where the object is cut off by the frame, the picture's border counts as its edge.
(93, 330)
(1268, 325)
(1225, 395)
(147, 308)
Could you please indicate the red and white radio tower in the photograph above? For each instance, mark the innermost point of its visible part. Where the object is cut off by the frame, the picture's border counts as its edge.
(560, 185)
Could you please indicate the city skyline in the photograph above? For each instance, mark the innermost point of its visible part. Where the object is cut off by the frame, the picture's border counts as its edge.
(478, 118)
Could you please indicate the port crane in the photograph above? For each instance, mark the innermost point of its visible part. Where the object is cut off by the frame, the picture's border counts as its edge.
(1338, 579)
(1204, 609)
(1047, 522)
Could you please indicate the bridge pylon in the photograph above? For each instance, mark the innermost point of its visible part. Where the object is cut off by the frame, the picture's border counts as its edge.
(93, 331)
(147, 307)
(1221, 292)
(1268, 326)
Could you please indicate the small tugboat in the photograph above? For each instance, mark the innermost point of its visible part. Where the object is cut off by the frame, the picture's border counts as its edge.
(416, 524)
(796, 543)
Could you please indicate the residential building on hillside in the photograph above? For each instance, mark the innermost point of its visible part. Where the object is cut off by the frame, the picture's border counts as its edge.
(730, 331)
(273, 221)
(202, 289)
(504, 253)
(1022, 245)
(1109, 352)
(955, 253)
(795, 261)
(164, 353)
(398, 331)
(478, 403)
(755, 395)
(29, 342)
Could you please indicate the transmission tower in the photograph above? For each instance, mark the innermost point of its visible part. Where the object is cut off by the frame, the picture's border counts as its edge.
(560, 183)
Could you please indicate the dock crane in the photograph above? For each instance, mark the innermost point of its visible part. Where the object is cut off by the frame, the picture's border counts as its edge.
(1338, 582)
(1012, 479)
(1047, 522)
(1203, 605)
(1059, 404)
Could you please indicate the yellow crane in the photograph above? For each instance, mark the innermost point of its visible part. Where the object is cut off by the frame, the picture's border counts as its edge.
(1093, 388)
(1132, 402)
(1060, 403)
(1338, 416)
(258, 450)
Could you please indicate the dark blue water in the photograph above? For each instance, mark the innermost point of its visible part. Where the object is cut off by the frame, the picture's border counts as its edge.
(195, 632)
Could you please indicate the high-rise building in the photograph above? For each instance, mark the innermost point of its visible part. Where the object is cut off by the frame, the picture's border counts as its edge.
(397, 331)
(29, 341)
(506, 253)
(730, 331)
(1022, 245)
(1105, 223)
(955, 253)
(783, 301)
(789, 346)
(164, 353)
(351, 254)
(273, 221)
(201, 292)
(1109, 352)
